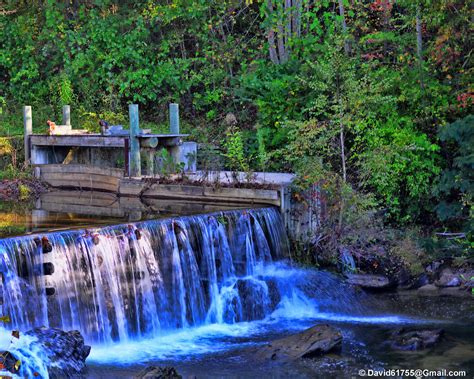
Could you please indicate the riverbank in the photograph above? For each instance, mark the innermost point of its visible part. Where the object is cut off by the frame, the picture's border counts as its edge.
(21, 189)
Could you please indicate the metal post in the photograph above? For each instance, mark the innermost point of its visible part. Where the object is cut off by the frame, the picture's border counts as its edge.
(28, 130)
(66, 115)
(135, 164)
(174, 118)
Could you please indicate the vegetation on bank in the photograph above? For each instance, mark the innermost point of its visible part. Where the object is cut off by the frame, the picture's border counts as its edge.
(371, 100)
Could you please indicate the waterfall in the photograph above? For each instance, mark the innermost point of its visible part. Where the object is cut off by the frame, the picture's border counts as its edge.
(124, 282)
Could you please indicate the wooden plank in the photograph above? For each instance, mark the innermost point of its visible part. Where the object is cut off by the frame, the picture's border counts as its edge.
(81, 177)
(186, 190)
(73, 194)
(83, 209)
(193, 193)
(83, 184)
(187, 207)
(82, 198)
(77, 140)
(83, 169)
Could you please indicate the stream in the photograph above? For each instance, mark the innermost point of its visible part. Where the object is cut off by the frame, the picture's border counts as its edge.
(197, 292)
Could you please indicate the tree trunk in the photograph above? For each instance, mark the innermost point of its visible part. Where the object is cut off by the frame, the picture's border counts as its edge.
(419, 45)
(281, 33)
(343, 153)
(288, 13)
(271, 36)
(342, 13)
(297, 4)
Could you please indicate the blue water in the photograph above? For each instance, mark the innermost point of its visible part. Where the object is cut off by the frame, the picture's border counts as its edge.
(173, 290)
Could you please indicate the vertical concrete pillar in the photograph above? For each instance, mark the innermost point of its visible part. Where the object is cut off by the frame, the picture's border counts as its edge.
(66, 115)
(28, 130)
(135, 163)
(174, 118)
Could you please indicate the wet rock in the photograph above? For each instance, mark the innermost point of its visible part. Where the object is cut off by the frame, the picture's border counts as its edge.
(369, 281)
(448, 279)
(433, 267)
(421, 281)
(66, 351)
(254, 296)
(428, 288)
(404, 279)
(9, 362)
(273, 293)
(312, 342)
(153, 372)
(415, 339)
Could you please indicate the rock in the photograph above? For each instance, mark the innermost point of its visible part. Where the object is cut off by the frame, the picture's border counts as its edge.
(421, 281)
(368, 281)
(428, 288)
(433, 267)
(9, 362)
(153, 372)
(448, 279)
(403, 279)
(315, 341)
(66, 351)
(415, 339)
(230, 119)
(254, 296)
(62, 354)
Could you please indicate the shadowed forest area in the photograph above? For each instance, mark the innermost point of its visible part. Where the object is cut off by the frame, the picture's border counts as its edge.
(371, 100)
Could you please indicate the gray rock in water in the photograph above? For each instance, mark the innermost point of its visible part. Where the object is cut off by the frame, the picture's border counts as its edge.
(428, 288)
(368, 281)
(312, 342)
(448, 279)
(415, 339)
(153, 372)
(254, 297)
(66, 350)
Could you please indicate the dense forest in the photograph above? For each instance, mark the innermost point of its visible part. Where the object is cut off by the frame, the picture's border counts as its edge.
(371, 100)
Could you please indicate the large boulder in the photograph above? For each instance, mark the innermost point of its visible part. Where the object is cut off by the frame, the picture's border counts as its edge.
(415, 339)
(369, 281)
(66, 350)
(428, 289)
(62, 353)
(153, 372)
(448, 279)
(254, 296)
(312, 342)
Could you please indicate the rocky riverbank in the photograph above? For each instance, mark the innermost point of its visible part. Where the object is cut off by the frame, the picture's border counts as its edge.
(21, 189)
(438, 278)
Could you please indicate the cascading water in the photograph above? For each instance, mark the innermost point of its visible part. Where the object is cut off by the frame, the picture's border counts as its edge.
(130, 281)
(166, 288)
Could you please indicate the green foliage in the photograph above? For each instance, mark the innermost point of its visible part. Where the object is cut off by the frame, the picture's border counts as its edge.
(166, 164)
(90, 120)
(456, 185)
(378, 99)
(234, 151)
(400, 165)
